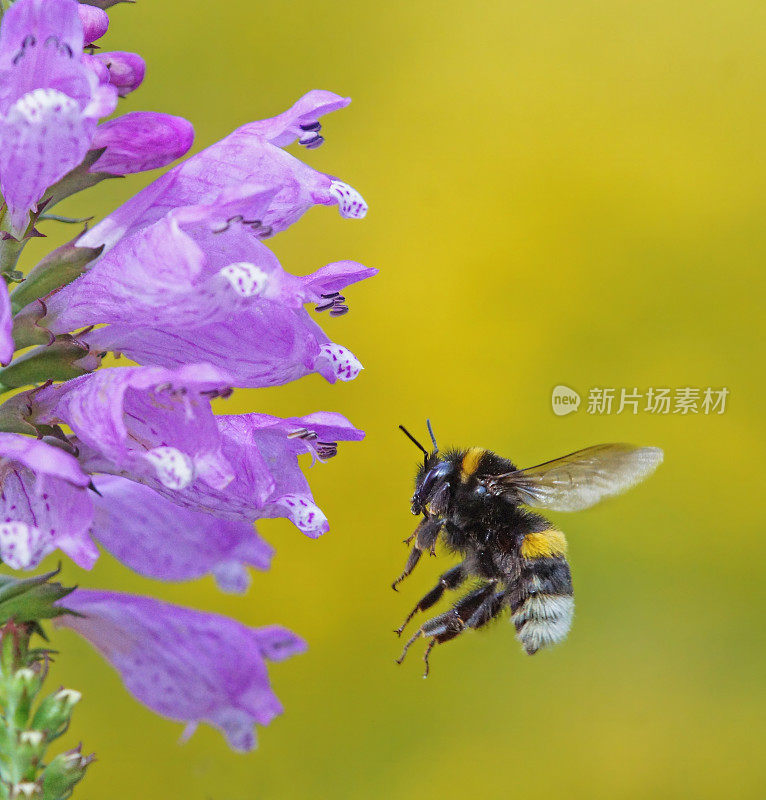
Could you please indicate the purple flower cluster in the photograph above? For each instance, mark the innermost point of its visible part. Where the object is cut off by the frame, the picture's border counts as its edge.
(177, 279)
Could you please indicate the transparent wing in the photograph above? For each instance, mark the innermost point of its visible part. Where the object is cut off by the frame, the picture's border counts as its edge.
(579, 480)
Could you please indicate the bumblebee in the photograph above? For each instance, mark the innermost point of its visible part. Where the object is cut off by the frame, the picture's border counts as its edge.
(472, 500)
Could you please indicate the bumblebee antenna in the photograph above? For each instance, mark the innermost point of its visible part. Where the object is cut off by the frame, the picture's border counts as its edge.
(415, 442)
(433, 438)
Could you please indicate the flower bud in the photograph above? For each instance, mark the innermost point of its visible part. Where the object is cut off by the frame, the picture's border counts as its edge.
(54, 712)
(63, 772)
(25, 790)
(25, 682)
(139, 141)
(95, 22)
(24, 686)
(29, 750)
(126, 70)
(31, 739)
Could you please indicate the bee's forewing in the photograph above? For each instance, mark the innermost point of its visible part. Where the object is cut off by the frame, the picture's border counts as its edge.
(579, 480)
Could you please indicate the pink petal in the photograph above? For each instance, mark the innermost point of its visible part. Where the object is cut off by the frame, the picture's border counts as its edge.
(184, 664)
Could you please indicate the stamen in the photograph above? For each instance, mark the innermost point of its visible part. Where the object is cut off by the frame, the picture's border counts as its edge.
(28, 41)
(336, 305)
(326, 450)
(311, 126)
(312, 142)
(223, 393)
(303, 433)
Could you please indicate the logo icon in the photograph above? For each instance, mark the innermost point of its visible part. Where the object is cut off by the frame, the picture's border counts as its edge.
(564, 400)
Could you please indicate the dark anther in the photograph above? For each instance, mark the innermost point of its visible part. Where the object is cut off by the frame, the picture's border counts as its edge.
(28, 41)
(265, 232)
(339, 311)
(224, 393)
(335, 305)
(52, 39)
(327, 449)
(311, 126)
(67, 49)
(303, 433)
(312, 142)
(229, 221)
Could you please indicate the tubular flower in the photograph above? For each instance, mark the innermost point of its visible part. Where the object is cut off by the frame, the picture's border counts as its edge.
(139, 141)
(143, 421)
(184, 664)
(125, 70)
(44, 503)
(50, 101)
(95, 22)
(253, 154)
(179, 280)
(193, 543)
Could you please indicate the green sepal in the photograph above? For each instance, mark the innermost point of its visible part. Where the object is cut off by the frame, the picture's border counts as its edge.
(62, 360)
(14, 415)
(57, 269)
(63, 772)
(54, 712)
(29, 328)
(27, 600)
(79, 178)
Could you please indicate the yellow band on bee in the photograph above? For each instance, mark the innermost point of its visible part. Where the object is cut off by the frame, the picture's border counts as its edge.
(544, 544)
(470, 462)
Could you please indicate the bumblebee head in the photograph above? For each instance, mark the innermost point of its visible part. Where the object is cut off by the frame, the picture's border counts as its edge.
(432, 477)
(431, 483)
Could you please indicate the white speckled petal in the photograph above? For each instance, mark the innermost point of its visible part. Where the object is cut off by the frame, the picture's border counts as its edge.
(44, 135)
(336, 361)
(351, 204)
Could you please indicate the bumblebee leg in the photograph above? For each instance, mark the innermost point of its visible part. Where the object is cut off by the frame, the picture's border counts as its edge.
(488, 610)
(449, 580)
(426, 535)
(428, 532)
(451, 623)
(412, 561)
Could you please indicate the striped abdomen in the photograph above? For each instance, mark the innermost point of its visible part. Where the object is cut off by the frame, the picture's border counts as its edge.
(543, 604)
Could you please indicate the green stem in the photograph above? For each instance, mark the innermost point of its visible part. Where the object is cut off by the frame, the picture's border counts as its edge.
(29, 725)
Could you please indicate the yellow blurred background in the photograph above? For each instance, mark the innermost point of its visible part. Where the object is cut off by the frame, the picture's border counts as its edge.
(560, 192)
